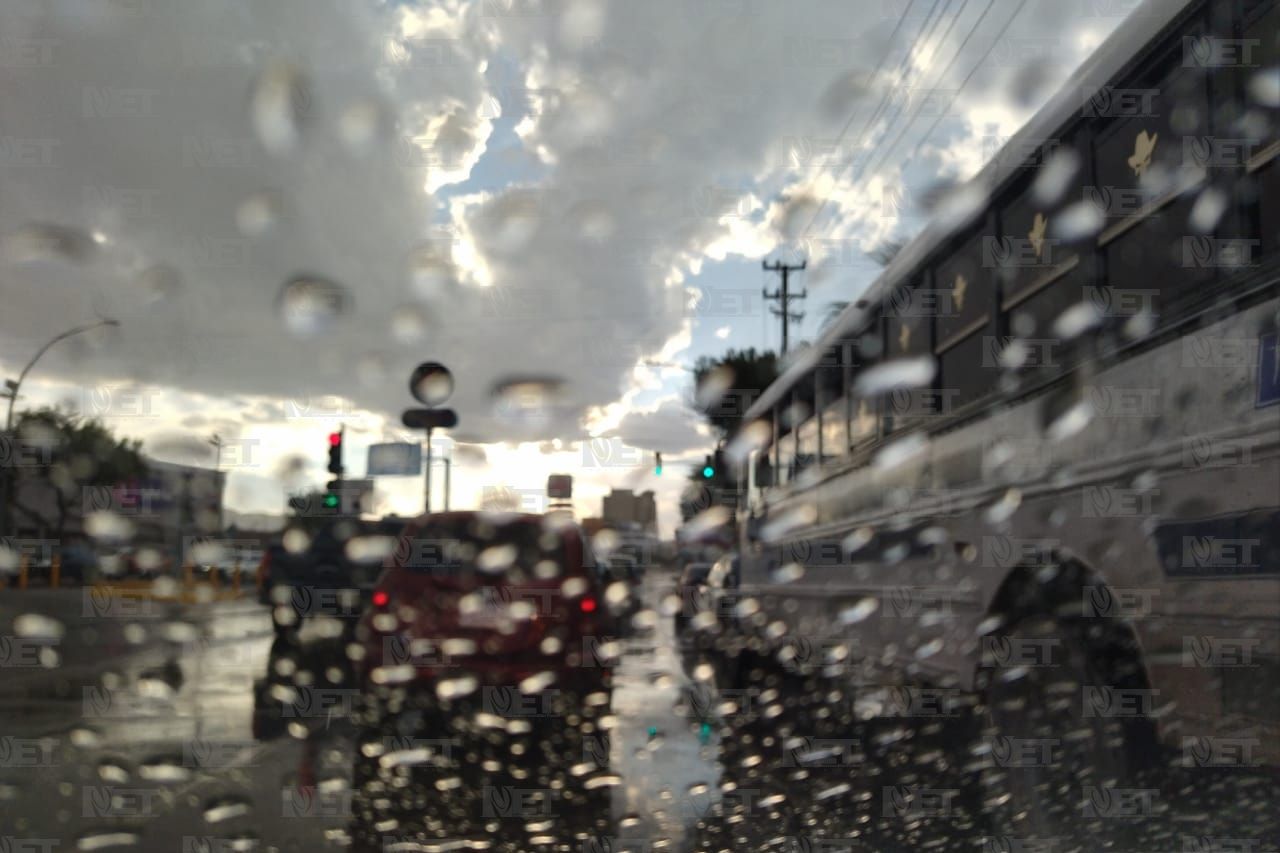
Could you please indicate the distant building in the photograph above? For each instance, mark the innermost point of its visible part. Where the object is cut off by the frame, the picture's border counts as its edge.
(624, 508)
(169, 505)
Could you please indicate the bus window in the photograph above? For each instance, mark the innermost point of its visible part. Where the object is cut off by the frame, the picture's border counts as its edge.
(966, 330)
(807, 443)
(835, 430)
(1145, 166)
(908, 335)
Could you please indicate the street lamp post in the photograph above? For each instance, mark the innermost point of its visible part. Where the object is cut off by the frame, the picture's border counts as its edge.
(11, 391)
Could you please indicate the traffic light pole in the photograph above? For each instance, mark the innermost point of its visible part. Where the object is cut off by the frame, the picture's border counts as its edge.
(428, 489)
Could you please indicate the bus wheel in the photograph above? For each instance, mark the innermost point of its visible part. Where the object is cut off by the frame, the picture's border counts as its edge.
(1064, 747)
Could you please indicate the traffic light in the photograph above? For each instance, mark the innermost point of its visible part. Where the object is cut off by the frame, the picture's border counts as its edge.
(335, 452)
(708, 468)
(657, 464)
(330, 501)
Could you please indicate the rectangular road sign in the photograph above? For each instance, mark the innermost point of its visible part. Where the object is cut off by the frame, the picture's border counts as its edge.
(395, 459)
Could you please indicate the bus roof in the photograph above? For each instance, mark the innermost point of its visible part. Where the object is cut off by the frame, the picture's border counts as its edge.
(1122, 48)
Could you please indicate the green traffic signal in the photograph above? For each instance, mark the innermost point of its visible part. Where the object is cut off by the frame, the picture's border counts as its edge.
(657, 470)
(330, 501)
(708, 472)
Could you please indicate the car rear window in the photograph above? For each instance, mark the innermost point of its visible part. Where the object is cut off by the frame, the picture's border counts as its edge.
(516, 550)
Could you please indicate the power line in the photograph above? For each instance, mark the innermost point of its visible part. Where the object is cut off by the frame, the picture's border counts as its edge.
(924, 139)
(885, 150)
(884, 99)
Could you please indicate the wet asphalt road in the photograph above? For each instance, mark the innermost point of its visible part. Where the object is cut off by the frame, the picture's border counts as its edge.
(129, 725)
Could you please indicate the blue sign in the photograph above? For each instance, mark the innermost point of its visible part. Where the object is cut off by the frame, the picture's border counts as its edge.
(395, 459)
(1268, 370)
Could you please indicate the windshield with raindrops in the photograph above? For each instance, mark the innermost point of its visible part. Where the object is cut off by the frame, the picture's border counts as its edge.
(601, 426)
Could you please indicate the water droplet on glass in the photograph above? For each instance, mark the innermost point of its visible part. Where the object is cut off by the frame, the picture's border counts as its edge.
(1078, 221)
(258, 214)
(512, 220)
(39, 242)
(409, 324)
(1208, 210)
(309, 305)
(37, 625)
(1003, 509)
(226, 808)
(860, 611)
(159, 283)
(108, 527)
(752, 437)
(713, 385)
(900, 452)
(431, 272)
(526, 404)
(361, 125)
(789, 573)
(295, 540)
(1264, 87)
(1076, 320)
(900, 373)
(796, 213)
(1055, 177)
(106, 840)
(279, 107)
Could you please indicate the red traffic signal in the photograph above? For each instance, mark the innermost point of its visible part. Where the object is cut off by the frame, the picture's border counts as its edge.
(335, 453)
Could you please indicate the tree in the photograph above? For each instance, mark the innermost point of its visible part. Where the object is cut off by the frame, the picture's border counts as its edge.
(69, 454)
(883, 255)
(727, 386)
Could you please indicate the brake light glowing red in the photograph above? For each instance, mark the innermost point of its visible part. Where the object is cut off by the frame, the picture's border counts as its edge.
(381, 598)
(588, 605)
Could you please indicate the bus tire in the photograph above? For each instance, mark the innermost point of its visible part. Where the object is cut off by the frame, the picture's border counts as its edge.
(1055, 736)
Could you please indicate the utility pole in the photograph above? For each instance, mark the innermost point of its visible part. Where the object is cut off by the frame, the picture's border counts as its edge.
(783, 296)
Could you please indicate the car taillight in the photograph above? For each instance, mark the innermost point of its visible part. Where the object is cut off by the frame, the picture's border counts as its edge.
(381, 598)
(587, 604)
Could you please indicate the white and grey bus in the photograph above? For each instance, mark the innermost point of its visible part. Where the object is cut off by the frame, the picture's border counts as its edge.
(1037, 464)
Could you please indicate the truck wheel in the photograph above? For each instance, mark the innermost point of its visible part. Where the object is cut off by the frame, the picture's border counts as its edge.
(1065, 747)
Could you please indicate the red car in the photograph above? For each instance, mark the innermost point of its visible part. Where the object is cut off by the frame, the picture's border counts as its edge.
(473, 601)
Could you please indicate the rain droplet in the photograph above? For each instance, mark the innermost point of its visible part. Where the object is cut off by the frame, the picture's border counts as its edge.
(1264, 87)
(512, 221)
(431, 272)
(754, 436)
(1077, 222)
(309, 305)
(361, 125)
(1055, 177)
(1077, 320)
(713, 385)
(526, 404)
(900, 452)
(788, 573)
(226, 808)
(1208, 210)
(258, 214)
(279, 107)
(107, 839)
(860, 611)
(409, 324)
(39, 242)
(1003, 509)
(159, 283)
(497, 558)
(37, 625)
(107, 526)
(900, 373)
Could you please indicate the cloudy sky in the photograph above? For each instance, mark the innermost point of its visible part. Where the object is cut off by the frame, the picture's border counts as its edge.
(288, 205)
